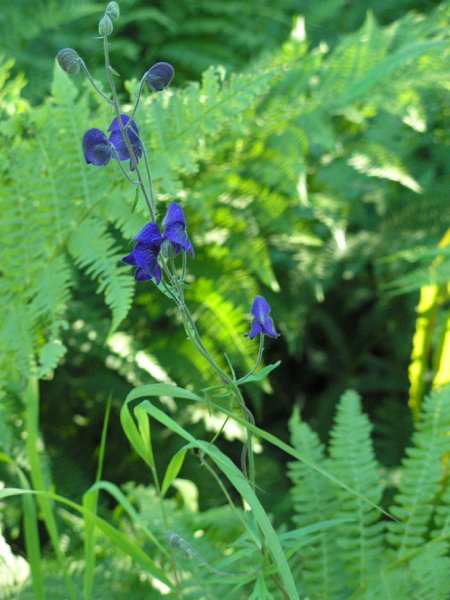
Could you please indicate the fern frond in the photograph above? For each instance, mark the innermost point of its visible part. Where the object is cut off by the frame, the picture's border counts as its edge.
(314, 500)
(51, 290)
(94, 250)
(422, 474)
(376, 160)
(424, 577)
(17, 345)
(429, 572)
(353, 60)
(441, 525)
(352, 461)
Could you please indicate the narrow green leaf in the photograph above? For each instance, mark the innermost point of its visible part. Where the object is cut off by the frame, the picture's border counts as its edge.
(175, 464)
(263, 372)
(31, 531)
(119, 539)
(176, 392)
(121, 499)
(132, 433)
(90, 501)
(32, 402)
(237, 479)
(161, 389)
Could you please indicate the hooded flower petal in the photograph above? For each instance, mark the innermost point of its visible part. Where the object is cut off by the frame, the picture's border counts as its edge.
(146, 257)
(96, 148)
(117, 140)
(130, 260)
(159, 76)
(145, 253)
(149, 234)
(175, 229)
(124, 118)
(261, 323)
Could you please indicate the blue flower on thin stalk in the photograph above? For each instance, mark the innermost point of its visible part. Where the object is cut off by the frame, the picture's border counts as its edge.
(261, 323)
(149, 241)
(98, 149)
(117, 140)
(144, 255)
(159, 76)
(175, 231)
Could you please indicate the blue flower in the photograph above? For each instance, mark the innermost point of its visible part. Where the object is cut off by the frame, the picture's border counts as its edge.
(159, 76)
(144, 255)
(98, 150)
(174, 225)
(117, 140)
(261, 323)
(150, 241)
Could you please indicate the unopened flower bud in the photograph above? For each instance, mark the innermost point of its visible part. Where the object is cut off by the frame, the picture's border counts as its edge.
(69, 60)
(105, 27)
(159, 76)
(113, 10)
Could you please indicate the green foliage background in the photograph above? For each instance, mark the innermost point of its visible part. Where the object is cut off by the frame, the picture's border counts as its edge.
(311, 157)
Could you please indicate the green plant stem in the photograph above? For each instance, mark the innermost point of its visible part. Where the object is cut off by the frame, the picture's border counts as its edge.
(194, 336)
(224, 490)
(149, 199)
(149, 177)
(136, 102)
(119, 162)
(257, 363)
(94, 85)
(188, 321)
(166, 527)
(37, 475)
(91, 502)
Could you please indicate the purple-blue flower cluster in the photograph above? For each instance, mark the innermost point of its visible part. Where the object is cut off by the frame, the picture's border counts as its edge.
(98, 149)
(150, 240)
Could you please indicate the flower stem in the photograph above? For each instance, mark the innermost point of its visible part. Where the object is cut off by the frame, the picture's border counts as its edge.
(119, 162)
(148, 198)
(188, 321)
(257, 363)
(166, 527)
(194, 336)
(136, 102)
(94, 85)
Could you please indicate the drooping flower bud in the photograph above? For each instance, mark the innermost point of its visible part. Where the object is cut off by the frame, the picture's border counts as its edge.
(113, 10)
(159, 76)
(69, 60)
(105, 27)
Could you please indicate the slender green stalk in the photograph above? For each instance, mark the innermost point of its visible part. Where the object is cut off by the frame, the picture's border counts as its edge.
(124, 171)
(212, 471)
(94, 85)
(90, 501)
(150, 201)
(166, 527)
(171, 272)
(147, 168)
(37, 476)
(257, 363)
(247, 450)
(136, 102)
